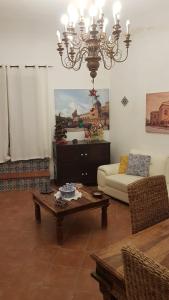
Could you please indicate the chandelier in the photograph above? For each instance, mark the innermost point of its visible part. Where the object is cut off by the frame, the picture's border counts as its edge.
(86, 39)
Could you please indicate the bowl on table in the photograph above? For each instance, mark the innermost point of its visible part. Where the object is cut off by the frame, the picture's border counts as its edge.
(67, 191)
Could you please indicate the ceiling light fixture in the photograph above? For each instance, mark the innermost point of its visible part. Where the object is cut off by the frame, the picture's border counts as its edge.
(84, 39)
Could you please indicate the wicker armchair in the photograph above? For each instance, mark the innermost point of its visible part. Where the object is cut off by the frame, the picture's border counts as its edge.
(148, 202)
(144, 278)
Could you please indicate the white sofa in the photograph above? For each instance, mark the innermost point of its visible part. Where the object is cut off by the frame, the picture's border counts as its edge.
(114, 184)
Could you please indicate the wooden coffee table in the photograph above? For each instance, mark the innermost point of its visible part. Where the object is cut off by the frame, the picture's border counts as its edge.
(87, 201)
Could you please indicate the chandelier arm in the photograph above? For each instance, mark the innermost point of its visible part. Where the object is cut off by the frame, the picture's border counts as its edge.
(85, 50)
(80, 54)
(119, 61)
(109, 48)
(77, 44)
(69, 57)
(79, 66)
(104, 61)
(65, 65)
(78, 58)
(116, 46)
(73, 61)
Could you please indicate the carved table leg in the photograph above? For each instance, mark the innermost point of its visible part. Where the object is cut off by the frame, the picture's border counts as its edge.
(104, 216)
(37, 213)
(59, 230)
(106, 293)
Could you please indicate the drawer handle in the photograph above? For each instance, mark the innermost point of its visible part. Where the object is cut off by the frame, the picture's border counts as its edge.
(82, 174)
(86, 154)
(81, 154)
(86, 174)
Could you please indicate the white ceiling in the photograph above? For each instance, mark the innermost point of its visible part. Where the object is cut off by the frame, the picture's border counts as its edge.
(43, 16)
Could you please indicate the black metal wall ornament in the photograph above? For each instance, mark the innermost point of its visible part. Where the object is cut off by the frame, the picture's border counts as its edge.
(124, 101)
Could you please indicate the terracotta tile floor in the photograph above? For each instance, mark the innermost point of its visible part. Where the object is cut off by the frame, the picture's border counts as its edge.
(34, 267)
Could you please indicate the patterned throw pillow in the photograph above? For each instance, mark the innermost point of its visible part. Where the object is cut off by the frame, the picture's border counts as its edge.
(123, 164)
(138, 165)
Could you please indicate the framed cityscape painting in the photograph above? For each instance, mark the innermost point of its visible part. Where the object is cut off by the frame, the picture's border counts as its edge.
(157, 112)
(81, 107)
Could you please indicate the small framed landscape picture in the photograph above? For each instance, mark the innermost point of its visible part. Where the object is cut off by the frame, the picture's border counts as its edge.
(157, 112)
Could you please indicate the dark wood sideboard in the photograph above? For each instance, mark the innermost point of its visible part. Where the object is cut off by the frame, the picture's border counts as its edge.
(79, 162)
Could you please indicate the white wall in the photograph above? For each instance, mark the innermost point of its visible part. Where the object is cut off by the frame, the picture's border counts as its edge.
(145, 71)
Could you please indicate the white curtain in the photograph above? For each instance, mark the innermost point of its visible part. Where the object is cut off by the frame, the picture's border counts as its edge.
(4, 139)
(29, 113)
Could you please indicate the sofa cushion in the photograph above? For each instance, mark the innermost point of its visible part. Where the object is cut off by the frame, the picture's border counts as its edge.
(121, 181)
(123, 164)
(157, 164)
(138, 165)
(109, 169)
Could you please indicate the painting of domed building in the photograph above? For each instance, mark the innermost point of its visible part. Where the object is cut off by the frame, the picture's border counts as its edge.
(81, 107)
(157, 112)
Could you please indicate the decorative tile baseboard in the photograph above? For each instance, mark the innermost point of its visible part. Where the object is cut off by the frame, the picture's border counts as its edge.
(23, 175)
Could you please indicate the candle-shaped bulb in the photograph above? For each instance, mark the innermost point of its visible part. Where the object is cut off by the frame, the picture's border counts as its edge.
(58, 36)
(93, 12)
(116, 11)
(82, 6)
(100, 13)
(87, 24)
(105, 24)
(127, 26)
(64, 21)
(118, 17)
(73, 14)
(99, 4)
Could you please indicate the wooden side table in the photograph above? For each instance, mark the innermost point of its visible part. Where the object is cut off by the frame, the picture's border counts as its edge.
(87, 201)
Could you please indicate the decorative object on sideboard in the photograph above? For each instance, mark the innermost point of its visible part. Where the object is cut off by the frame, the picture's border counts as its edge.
(60, 130)
(74, 141)
(94, 132)
(124, 101)
(90, 42)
